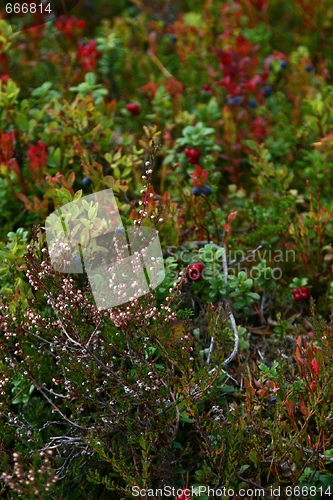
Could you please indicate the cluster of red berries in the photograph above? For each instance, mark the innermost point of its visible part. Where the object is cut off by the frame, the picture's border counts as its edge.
(194, 271)
(193, 155)
(184, 495)
(300, 293)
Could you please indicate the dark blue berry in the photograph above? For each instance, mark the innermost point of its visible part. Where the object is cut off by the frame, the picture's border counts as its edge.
(86, 181)
(309, 68)
(207, 190)
(173, 38)
(283, 64)
(235, 101)
(120, 230)
(196, 191)
(267, 91)
(252, 103)
(272, 400)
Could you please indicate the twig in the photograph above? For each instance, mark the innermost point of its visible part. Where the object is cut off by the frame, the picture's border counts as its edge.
(159, 65)
(233, 262)
(231, 317)
(256, 485)
(226, 373)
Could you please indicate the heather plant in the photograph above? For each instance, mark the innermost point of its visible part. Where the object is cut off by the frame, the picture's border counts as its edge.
(75, 370)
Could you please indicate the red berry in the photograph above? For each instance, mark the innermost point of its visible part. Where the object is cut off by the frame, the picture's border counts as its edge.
(305, 296)
(185, 495)
(187, 151)
(194, 153)
(295, 290)
(199, 266)
(133, 108)
(194, 272)
(193, 161)
(297, 296)
(304, 289)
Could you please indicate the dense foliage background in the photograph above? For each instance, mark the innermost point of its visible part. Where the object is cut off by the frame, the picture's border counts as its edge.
(212, 121)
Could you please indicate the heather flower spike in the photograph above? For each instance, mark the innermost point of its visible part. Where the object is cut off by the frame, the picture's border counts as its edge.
(122, 263)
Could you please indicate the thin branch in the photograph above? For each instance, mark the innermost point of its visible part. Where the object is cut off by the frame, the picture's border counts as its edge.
(234, 262)
(231, 317)
(252, 483)
(160, 66)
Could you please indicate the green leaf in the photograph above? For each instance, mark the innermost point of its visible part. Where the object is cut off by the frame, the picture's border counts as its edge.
(90, 78)
(42, 90)
(78, 194)
(253, 457)
(241, 276)
(227, 388)
(108, 157)
(89, 225)
(326, 480)
(54, 159)
(219, 254)
(244, 468)
(196, 489)
(92, 213)
(185, 418)
(85, 205)
(64, 196)
(176, 445)
(252, 145)
(17, 400)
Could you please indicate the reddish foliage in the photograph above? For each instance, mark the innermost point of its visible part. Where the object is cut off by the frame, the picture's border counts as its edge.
(174, 87)
(199, 176)
(150, 89)
(88, 56)
(71, 27)
(7, 152)
(37, 157)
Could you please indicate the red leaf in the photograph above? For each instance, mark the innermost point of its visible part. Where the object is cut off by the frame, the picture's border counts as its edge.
(304, 410)
(199, 176)
(315, 366)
